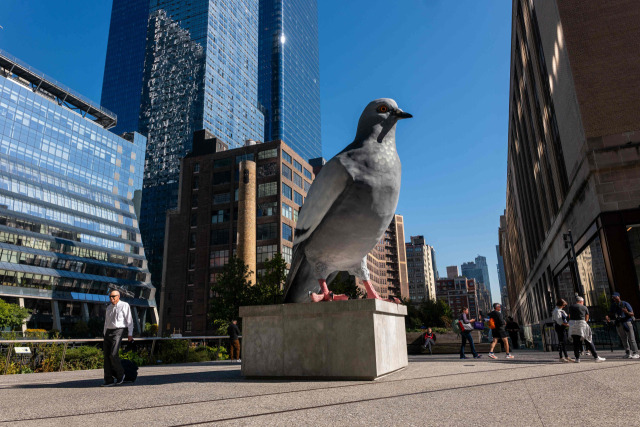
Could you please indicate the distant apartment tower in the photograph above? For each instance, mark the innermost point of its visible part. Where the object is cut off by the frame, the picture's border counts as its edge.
(458, 293)
(422, 284)
(68, 226)
(452, 272)
(202, 233)
(289, 74)
(387, 262)
(574, 133)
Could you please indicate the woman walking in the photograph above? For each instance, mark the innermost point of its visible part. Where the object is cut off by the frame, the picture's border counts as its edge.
(466, 334)
(561, 323)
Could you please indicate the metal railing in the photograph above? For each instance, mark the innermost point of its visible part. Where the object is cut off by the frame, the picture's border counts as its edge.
(9, 345)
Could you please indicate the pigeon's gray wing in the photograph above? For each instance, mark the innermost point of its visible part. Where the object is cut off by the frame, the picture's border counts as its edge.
(329, 184)
(326, 188)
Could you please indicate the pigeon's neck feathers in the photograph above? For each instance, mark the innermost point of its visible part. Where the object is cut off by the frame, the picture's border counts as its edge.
(381, 133)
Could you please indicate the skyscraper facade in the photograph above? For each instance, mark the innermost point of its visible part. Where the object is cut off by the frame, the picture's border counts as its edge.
(478, 270)
(573, 172)
(200, 72)
(68, 228)
(502, 280)
(122, 81)
(289, 74)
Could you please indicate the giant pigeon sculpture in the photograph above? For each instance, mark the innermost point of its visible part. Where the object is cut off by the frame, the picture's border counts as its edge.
(348, 207)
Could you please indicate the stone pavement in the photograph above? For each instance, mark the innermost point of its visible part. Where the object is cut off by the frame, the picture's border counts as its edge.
(534, 389)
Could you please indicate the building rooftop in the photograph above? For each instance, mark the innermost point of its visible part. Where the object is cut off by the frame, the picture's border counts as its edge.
(12, 67)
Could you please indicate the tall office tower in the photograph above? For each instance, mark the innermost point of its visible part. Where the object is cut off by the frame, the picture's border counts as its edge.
(200, 72)
(122, 81)
(68, 226)
(433, 260)
(205, 229)
(289, 74)
(422, 284)
(452, 272)
(478, 270)
(573, 169)
(502, 280)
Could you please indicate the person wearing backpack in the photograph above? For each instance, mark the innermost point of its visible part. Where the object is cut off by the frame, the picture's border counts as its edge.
(465, 332)
(499, 331)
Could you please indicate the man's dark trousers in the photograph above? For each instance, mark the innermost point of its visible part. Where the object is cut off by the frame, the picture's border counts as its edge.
(112, 366)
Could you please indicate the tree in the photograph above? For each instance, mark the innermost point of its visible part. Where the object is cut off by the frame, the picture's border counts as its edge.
(346, 284)
(12, 315)
(270, 283)
(231, 290)
(429, 313)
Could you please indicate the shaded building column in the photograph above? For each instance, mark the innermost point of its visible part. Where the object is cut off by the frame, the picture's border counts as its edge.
(24, 322)
(136, 320)
(246, 248)
(55, 311)
(85, 311)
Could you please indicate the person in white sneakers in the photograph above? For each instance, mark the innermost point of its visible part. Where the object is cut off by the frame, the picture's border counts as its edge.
(499, 333)
(561, 323)
(580, 331)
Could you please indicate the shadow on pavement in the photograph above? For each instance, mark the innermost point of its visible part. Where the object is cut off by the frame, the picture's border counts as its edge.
(145, 379)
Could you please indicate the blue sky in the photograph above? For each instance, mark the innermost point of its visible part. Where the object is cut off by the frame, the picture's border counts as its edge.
(446, 62)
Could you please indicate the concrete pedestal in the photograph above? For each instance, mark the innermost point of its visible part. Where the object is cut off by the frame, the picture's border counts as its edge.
(355, 339)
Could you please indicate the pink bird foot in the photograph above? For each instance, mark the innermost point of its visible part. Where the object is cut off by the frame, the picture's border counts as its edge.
(372, 294)
(325, 294)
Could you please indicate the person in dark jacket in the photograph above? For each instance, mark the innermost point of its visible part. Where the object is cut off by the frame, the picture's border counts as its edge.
(622, 315)
(234, 336)
(499, 333)
(429, 340)
(513, 330)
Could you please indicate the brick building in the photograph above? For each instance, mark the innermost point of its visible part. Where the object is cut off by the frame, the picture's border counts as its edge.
(458, 292)
(202, 233)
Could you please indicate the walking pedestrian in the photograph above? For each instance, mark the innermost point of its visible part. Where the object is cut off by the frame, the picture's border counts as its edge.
(561, 324)
(117, 320)
(466, 334)
(513, 329)
(622, 315)
(499, 332)
(429, 340)
(580, 331)
(234, 337)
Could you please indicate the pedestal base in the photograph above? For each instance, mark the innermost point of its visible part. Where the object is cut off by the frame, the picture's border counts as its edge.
(355, 339)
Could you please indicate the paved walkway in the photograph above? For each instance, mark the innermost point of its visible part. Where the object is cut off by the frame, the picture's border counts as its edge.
(534, 389)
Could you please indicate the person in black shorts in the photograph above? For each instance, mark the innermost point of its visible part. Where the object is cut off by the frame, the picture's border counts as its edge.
(500, 332)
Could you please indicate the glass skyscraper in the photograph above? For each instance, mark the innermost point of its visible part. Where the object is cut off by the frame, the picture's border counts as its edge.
(68, 226)
(289, 74)
(122, 81)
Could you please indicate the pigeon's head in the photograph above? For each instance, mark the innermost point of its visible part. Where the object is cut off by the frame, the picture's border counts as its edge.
(380, 116)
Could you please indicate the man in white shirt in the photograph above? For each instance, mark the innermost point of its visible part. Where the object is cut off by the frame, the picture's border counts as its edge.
(117, 319)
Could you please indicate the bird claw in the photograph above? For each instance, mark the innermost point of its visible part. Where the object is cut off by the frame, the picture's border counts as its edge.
(328, 296)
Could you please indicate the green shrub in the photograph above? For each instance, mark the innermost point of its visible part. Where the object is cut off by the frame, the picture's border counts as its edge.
(139, 358)
(198, 356)
(173, 351)
(217, 353)
(83, 357)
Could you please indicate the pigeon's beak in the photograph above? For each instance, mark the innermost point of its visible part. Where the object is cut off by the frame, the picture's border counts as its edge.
(401, 114)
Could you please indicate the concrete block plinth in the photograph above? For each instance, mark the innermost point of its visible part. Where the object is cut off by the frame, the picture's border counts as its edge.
(354, 339)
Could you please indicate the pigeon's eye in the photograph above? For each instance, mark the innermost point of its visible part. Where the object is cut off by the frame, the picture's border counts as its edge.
(383, 109)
